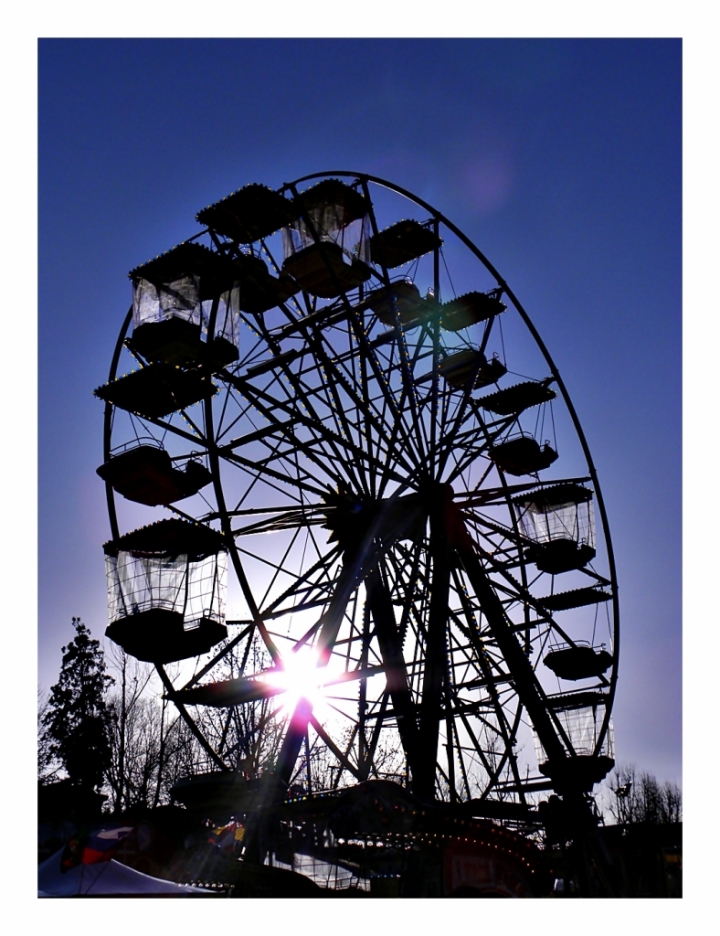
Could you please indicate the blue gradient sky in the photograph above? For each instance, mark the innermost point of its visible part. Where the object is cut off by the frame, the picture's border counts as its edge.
(560, 159)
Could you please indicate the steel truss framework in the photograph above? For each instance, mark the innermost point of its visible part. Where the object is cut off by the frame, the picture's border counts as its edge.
(367, 521)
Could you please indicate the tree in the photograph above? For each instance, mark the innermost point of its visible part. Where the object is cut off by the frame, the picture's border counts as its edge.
(642, 798)
(249, 735)
(129, 712)
(76, 719)
(46, 764)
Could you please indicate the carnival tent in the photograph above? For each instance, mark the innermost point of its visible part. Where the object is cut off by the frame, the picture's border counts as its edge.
(106, 879)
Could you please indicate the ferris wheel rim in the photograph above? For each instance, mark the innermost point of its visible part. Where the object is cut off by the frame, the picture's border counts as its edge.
(438, 217)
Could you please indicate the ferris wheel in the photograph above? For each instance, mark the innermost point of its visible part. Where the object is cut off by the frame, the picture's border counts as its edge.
(351, 444)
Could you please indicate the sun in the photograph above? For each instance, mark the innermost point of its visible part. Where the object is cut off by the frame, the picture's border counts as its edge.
(300, 675)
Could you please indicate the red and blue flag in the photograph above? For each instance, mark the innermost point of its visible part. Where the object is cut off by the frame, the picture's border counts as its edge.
(92, 847)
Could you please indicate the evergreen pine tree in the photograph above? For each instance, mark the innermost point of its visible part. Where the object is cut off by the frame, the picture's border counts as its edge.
(76, 720)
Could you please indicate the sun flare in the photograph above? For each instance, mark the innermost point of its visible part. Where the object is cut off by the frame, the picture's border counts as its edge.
(300, 676)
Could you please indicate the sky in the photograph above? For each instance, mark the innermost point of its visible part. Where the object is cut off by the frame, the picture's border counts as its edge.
(560, 159)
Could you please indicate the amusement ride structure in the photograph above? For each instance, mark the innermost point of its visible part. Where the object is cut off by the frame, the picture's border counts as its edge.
(363, 448)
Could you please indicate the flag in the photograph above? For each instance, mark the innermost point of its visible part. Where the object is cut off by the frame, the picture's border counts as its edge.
(227, 836)
(92, 847)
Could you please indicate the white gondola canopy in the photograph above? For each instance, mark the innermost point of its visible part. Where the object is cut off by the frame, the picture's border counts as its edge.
(582, 724)
(166, 590)
(139, 583)
(332, 213)
(177, 299)
(184, 300)
(564, 512)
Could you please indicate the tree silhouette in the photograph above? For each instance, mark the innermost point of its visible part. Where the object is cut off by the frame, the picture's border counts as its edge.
(640, 797)
(76, 719)
(46, 764)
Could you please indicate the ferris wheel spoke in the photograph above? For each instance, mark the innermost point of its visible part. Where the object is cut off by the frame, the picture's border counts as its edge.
(469, 458)
(409, 390)
(280, 564)
(285, 518)
(366, 755)
(461, 761)
(406, 566)
(362, 402)
(260, 487)
(319, 432)
(322, 588)
(328, 407)
(278, 451)
(196, 437)
(214, 757)
(233, 410)
(389, 411)
(335, 382)
(330, 624)
(226, 651)
(300, 392)
(421, 350)
(451, 440)
(306, 583)
(329, 387)
(269, 407)
(285, 486)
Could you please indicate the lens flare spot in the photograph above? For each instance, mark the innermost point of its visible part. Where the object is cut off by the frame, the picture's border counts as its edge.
(299, 676)
(487, 181)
